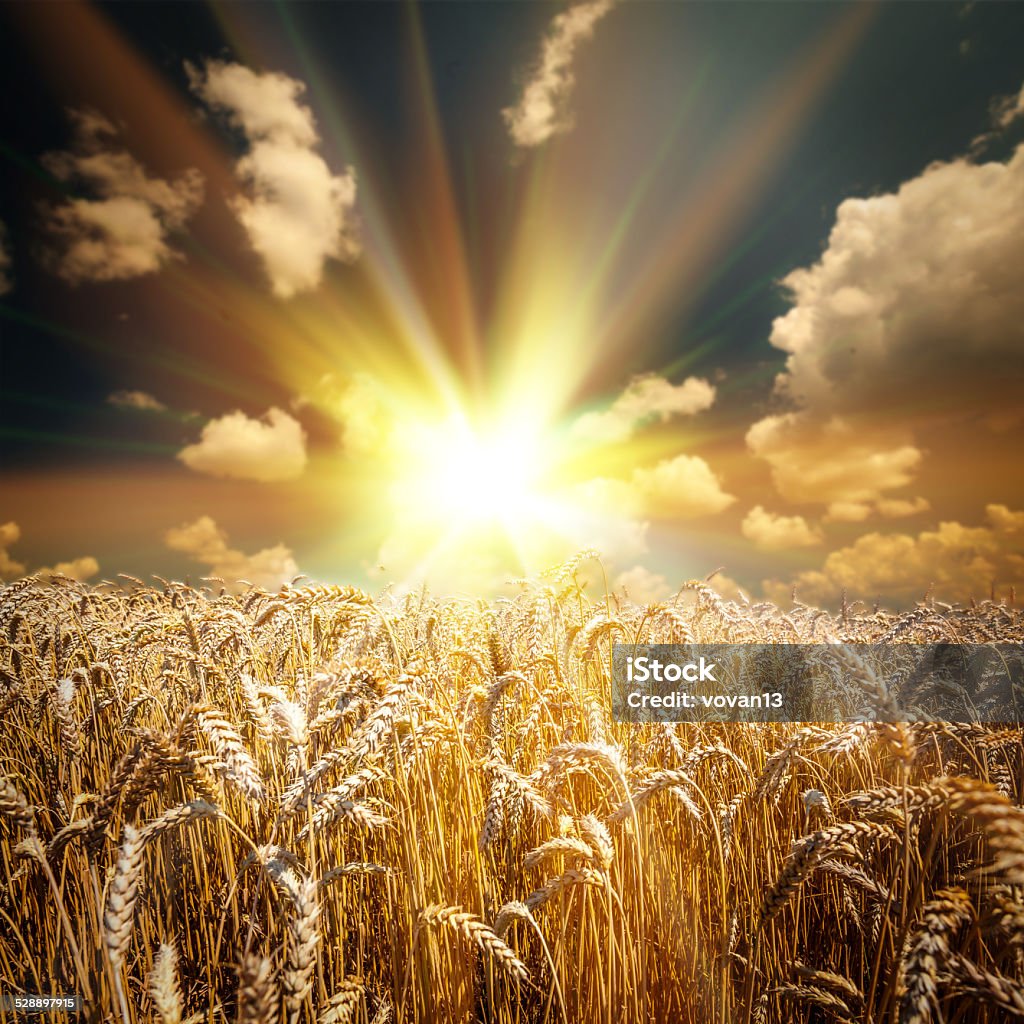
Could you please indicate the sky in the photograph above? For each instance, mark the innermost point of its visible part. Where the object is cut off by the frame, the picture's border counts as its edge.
(386, 294)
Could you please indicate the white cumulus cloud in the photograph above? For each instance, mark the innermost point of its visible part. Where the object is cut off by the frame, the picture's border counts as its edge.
(297, 213)
(81, 569)
(1007, 109)
(1004, 111)
(120, 229)
(728, 588)
(901, 508)
(918, 293)
(1004, 519)
(542, 108)
(887, 508)
(772, 532)
(77, 568)
(832, 460)
(269, 449)
(646, 399)
(847, 512)
(643, 586)
(207, 544)
(358, 405)
(958, 561)
(683, 487)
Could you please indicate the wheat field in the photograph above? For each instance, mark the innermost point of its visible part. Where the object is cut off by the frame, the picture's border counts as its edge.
(315, 806)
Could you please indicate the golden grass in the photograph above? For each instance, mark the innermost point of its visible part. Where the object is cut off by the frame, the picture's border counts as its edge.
(308, 806)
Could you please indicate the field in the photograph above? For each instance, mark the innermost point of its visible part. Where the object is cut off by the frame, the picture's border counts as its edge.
(313, 806)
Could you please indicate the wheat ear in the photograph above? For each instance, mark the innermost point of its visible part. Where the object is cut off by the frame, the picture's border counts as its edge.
(239, 765)
(807, 853)
(569, 846)
(175, 817)
(473, 930)
(124, 891)
(1007, 994)
(120, 912)
(928, 952)
(341, 1007)
(303, 938)
(163, 985)
(13, 805)
(568, 879)
(257, 992)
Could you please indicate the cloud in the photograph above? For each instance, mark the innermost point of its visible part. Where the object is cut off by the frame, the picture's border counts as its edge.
(366, 426)
(269, 449)
(609, 519)
(901, 508)
(727, 587)
(297, 214)
(847, 512)
(1004, 112)
(358, 405)
(140, 400)
(887, 508)
(6, 284)
(542, 108)
(1003, 519)
(831, 461)
(916, 294)
(1007, 109)
(122, 231)
(680, 488)
(960, 561)
(643, 586)
(77, 569)
(206, 543)
(683, 487)
(646, 399)
(10, 533)
(772, 532)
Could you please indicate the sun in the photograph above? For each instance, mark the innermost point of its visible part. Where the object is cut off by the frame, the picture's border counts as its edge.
(468, 478)
(474, 502)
